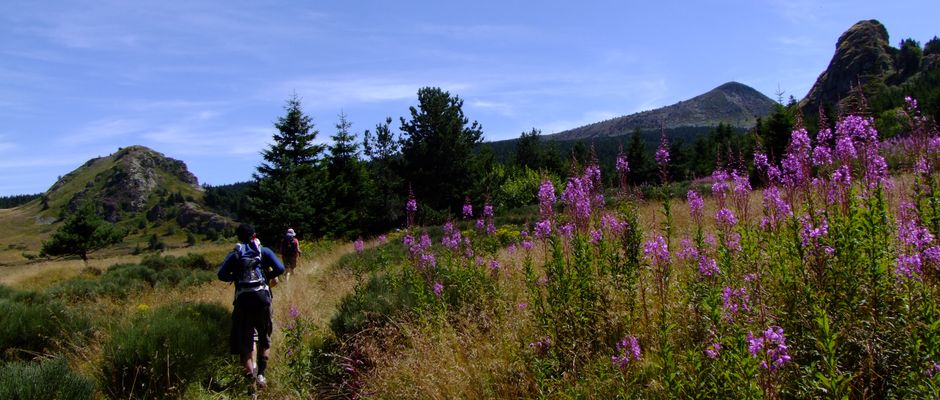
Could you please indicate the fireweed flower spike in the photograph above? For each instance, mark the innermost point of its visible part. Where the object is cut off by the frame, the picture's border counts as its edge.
(628, 349)
(358, 245)
(696, 205)
(546, 199)
(467, 209)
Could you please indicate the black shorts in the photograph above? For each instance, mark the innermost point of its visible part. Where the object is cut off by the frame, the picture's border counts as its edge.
(251, 317)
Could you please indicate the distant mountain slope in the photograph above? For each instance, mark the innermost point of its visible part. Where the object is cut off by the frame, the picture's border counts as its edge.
(733, 104)
(135, 184)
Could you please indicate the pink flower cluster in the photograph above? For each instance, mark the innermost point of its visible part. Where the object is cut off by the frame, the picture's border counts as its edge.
(771, 345)
(628, 350)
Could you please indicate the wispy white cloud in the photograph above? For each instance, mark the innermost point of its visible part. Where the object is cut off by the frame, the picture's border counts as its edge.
(339, 92)
(502, 108)
(102, 130)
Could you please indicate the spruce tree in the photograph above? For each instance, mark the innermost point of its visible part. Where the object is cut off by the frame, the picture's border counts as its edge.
(288, 191)
(347, 183)
(383, 151)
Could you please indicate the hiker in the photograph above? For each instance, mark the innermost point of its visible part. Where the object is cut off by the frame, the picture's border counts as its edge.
(290, 250)
(253, 269)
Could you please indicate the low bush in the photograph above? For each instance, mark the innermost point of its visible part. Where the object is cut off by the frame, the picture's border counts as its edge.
(372, 303)
(32, 323)
(51, 379)
(158, 353)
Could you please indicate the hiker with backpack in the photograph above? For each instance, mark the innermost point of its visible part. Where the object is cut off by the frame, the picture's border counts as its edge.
(253, 269)
(290, 250)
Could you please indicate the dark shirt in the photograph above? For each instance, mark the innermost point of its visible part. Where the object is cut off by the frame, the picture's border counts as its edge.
(270, 265)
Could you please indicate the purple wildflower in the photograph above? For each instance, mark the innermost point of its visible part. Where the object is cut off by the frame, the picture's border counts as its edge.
(696, 206)
(707, 266)
(566, 230)
(546, 199)
(543, 229)
(687, 250)
(628, 349)
(438, 289)
(541, 346)
(467, 209)
(662, 152)
(622, 166)
(713, 350)
(358, 245)
(908, 266)
(776, 210)
(577, 196)
(733, 301)
(656, 252)
(725, 218)
(293, 312)
(383, 239)
(494, 266)
(596, 236)
(527, 244)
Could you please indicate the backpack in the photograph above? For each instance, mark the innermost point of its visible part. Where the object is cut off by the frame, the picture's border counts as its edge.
(289, 246)
(249, 276)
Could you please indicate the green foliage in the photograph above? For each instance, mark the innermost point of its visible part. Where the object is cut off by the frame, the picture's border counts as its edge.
(228, 200)
(158, 352)
(32, 323)
(519, 189)
(82, 232)
(381, 298)
(438, 149)
(386, 202)
(287, 191)
(49, 379)
(17, 200)
(121, 280)
(348, 185)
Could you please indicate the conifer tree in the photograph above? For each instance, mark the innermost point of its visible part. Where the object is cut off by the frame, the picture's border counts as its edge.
(82, 232)
(438, 149)
(288, 188)
(383, 151)
(346, 190)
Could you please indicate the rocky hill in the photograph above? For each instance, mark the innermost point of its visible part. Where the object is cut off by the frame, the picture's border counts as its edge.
(135, 184)
(732, 103)
(865, 58)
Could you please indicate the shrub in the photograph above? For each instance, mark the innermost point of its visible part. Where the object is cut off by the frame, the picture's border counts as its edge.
(157, 353)
(33, 323)
(50, 379)
(372, 303)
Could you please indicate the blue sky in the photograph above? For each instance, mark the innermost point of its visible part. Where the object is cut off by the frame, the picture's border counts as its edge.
(203, 82)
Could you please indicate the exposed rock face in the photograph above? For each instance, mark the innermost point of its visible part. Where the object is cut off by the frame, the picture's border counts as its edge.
(127, 182)
(193, 218)
(863, 53)
(733, 104)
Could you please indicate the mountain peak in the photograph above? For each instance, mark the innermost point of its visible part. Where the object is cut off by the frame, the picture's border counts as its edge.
(128, 181)
(862, 54)
(732, 103)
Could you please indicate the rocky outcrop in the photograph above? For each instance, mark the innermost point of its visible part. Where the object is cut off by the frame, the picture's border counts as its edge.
(194, 219)
(863, 54)
(732, 104)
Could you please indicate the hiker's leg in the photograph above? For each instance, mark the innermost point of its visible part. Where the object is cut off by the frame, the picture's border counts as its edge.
(248, 364)
(263, 360)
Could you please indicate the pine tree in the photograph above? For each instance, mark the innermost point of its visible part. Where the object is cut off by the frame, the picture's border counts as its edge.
(383, 151)
(438, 149)
(287, 191)
(82, 232)
(347, 183)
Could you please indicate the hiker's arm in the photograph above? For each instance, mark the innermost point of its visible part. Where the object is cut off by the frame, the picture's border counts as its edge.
(225, 269)
(270, 260)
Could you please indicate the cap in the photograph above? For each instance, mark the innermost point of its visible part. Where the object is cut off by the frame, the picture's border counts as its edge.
(244, 232)
(290, 232)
